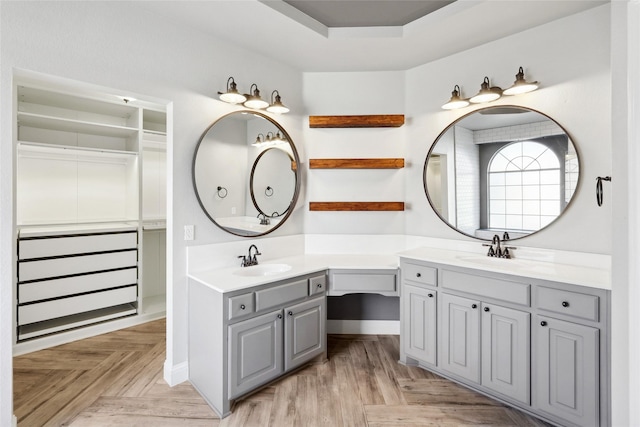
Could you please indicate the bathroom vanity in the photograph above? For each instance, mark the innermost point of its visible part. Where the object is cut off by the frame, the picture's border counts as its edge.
(499, 327)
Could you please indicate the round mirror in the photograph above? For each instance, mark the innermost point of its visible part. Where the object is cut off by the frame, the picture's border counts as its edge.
(502, 169)
(245, 173)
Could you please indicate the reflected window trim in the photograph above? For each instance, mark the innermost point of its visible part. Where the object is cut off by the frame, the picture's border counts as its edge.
(574, 153)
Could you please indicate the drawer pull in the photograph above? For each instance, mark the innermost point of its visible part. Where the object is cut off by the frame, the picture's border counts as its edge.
(319, 285)
(418, 275)
(486, 309)
(242, 307)
(290, 313)
(565, 303)
(430, 295)
(543, 323)
(279, 316)
(474, 305)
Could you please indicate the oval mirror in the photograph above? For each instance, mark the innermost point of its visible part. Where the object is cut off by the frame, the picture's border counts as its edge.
(501, 169)
(236, 159)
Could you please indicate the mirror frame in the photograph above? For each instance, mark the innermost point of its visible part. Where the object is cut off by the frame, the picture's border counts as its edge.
(253, 169)
(296, 192)
(452, 124)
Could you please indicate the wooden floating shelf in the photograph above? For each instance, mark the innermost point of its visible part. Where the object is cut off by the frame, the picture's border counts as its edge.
(370, 121)
(387, 163)
(356, 206)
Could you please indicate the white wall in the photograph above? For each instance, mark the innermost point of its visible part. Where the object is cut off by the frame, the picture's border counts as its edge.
(117, 45)
(570, 58)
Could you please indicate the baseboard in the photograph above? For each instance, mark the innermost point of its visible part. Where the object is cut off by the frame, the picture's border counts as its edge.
(15, 421)
(176, 374)
(364, 327)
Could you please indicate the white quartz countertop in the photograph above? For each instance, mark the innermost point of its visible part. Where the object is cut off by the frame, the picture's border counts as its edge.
(593, 277)
(228, 280)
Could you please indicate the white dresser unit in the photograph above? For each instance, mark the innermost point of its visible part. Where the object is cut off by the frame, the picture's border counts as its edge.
(90, 206)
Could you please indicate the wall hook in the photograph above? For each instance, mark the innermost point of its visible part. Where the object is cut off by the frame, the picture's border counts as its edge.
(222, 192)
(599, 192)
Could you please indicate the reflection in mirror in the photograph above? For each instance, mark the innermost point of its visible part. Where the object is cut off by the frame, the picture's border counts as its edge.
(272, 182)
(501, 169)
(223, 160)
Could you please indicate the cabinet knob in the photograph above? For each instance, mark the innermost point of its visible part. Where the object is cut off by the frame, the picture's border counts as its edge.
(486, 309)
(290, 313)
(474, 305)
(430, 295)
(565, 303)
(279, 316)
(242, 307)
(543, 323)
(418, 275)
(319, 285)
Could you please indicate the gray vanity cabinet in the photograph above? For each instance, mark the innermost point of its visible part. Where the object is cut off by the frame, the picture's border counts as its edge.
(419, 333)
(255, 352)
(460, 339)
(304, 332)
(505, 356)
(567, 366)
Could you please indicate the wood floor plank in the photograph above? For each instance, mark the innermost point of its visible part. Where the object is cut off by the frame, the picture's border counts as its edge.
(329, 401)
(441, 392)
(116, 379)
(412, 415)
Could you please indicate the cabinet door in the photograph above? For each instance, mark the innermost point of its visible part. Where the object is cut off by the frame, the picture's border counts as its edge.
(566, 370)
(419, 323)
(460, 340)
(505, 351)
(304, 332)
(255, 352)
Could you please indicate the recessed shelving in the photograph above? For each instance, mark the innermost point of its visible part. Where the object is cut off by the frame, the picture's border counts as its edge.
(367, 121)
(383, 163)
(356, 206)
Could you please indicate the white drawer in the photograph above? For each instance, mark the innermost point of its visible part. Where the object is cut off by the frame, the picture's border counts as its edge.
(73, 305)
(370, 282)
(566, 302)
(276, 296)
(74, 245)
(419, 273)
(487, 287)
(42, 269)
(35, 291)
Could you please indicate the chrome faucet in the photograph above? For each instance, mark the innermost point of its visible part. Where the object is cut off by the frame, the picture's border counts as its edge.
(496, 250)
(249, 260)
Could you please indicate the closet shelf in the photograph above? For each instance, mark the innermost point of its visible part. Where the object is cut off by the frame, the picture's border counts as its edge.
(356, 206)
(383, 163)
(58, 148)
(368, 121)
(41, 121)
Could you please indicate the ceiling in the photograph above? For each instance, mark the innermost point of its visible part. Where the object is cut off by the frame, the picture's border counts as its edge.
(377, 42)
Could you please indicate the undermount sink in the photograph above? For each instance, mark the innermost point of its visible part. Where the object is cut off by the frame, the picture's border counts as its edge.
(262, 270)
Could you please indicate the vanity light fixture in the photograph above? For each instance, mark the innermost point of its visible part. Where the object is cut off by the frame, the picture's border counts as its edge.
(232, 96)
(277, 106)
(456, 101)
(487, 93)
(259, 140)
(521, 85)
(254, 100)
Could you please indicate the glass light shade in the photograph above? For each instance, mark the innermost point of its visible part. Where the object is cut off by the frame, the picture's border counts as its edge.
(456, 101)
(232, 96)
(486, 94)
(254, 100)
(521, 85)
(277, 106)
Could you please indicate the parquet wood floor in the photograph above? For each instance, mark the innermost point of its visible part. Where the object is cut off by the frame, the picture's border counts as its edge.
(116, 380)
